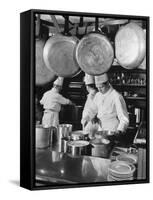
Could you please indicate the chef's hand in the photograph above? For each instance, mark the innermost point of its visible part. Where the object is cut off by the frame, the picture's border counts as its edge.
(71, 103)
(84, 122)
(96, 120)
(118, 133)
(116, 136)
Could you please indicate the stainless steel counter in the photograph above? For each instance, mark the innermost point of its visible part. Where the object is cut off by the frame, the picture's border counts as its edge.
(53, 168)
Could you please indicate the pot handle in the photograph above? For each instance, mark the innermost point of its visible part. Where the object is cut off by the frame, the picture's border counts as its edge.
(56, 23)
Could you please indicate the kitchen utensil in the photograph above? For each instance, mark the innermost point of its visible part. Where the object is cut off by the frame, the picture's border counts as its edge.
(77, 112)
(94, 54)
(130, 45)
(59, 55)
(65, 144)
(78, 135)
(43, 136)
(43, 74)
(63, 130)
(100, 148)
(78, 148)
(104, 134)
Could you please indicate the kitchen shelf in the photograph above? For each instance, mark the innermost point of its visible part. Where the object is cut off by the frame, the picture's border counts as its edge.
(128, 85)
(118, 68)
(135, 98)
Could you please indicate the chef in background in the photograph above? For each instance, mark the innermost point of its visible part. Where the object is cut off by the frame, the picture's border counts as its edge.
(92, 126)
(52, 102)
(110, 107)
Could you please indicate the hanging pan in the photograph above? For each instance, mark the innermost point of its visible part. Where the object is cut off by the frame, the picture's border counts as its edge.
(130, 45)
(94, 54)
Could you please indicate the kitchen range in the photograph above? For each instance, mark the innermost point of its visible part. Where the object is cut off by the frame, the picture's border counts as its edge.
(90, 99)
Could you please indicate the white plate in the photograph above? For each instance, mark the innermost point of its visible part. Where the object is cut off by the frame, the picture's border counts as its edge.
(130, 158)
(121, 168)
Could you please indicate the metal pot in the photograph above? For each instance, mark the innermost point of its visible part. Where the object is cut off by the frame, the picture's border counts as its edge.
(78, 148)
(77, 113)
(100, 149)
(43, 137)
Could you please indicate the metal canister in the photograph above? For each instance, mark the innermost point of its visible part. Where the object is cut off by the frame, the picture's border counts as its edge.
(43, 136)
(63, 131)
(65, 144)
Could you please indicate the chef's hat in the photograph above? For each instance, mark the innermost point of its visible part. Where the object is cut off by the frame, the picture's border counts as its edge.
(101, 79)
(59, 81)
(89, 79)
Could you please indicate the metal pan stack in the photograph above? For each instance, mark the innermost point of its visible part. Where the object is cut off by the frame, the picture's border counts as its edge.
(121, 171)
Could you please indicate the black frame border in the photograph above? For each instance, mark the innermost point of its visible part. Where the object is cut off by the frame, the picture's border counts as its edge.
(27, 92)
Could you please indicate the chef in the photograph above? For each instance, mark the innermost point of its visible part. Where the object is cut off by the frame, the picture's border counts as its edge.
(52, 102)
(109, 106)
(91, 127)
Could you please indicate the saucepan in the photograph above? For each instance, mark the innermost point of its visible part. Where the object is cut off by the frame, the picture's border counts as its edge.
(78, 148)
(101, 147)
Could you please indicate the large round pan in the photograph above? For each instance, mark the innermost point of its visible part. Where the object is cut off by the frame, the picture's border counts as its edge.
(94, 54)
(130, 45)
(43, 74)
(59, 55)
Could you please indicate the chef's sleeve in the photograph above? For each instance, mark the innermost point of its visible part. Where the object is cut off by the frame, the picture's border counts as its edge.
(62, 100)
(42, 100)
(90, 112)
(121, 113)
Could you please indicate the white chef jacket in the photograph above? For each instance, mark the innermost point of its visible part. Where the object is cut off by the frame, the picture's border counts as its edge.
(52, 102)
(89, 128)
(89, 102)
(110, 109)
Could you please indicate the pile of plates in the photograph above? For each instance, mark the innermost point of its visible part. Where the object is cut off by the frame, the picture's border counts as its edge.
(130, 158)
(120, 171)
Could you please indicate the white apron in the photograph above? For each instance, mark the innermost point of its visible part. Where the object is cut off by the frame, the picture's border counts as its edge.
(50, 118)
